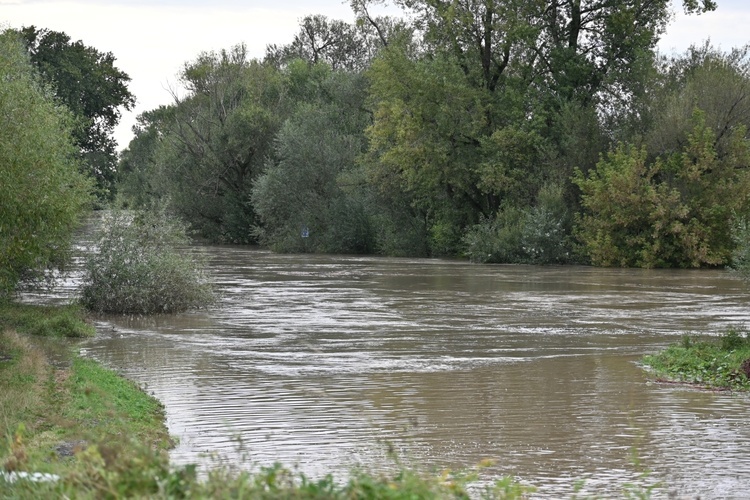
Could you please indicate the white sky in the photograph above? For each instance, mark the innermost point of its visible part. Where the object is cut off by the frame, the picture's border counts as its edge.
(152, 39)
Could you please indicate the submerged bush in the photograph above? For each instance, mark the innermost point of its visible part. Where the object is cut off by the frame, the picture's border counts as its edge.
(534, 235)
(138, 268)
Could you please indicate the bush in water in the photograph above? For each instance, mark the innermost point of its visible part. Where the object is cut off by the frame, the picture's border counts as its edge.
(139, 270)
(532, 235)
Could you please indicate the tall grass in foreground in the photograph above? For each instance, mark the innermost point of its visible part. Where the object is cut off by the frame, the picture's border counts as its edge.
(154, 479)
(138, 267)
(49, 410)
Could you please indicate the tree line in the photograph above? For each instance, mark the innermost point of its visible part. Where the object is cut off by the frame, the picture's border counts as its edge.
(501, 130)
(541, 132)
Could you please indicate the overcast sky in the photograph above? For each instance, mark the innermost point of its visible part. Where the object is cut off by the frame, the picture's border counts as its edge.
(152, 39)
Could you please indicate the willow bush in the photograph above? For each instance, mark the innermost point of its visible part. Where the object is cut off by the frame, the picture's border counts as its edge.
(139, 267)
(531, 235)
(42, 193)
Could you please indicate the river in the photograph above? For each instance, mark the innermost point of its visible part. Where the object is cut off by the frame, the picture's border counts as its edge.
(327, 363)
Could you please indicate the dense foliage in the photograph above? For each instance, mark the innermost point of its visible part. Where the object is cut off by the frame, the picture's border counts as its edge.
(309, 187)
(137, 267)
(505, 131)
(87, 82)
(212, 144)
(42, 193)
(674, 212)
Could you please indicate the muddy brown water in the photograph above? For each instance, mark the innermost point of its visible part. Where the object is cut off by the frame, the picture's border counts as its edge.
(328, 363)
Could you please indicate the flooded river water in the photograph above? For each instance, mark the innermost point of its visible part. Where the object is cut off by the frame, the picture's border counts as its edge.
(327, 362)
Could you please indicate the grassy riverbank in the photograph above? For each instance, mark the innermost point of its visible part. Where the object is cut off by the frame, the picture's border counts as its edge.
(101, 436)
(719, 364)
(64, 415)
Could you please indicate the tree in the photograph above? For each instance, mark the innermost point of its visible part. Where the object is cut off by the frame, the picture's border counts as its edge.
(337, 43)
(675, 211)
(205, 151)
(309, 187)
(343, 46)
(425, 140)
(42, 193)
(142, 174)
(703, 78)
(494, 101)
(88, 83)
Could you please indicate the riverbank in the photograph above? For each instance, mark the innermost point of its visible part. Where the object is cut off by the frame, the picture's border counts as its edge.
(75, 429)
(65, 416)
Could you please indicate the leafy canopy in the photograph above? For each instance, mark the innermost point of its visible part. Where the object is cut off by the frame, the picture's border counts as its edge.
(42, 193)
(94, 90)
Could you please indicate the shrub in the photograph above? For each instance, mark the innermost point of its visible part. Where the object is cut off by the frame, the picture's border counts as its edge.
(534, 235)
(42, 192)
(732, 341)
(674, 211)
(544, 236)
(496, 240)
(400, 230)
(138, 268)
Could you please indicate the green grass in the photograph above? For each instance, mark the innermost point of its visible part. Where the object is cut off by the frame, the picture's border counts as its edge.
(73, 404)
(112, 405)
(148, 476)
(715, 364)
(47, 321)
(24, 375)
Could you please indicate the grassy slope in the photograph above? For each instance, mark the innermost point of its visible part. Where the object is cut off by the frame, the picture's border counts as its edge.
(55, 405)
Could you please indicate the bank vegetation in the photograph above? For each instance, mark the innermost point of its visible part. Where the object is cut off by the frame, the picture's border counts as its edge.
(502, 131)
(497, 130)
(721, 363)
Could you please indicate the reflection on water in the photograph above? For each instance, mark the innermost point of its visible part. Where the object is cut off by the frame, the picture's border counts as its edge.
(325, 362)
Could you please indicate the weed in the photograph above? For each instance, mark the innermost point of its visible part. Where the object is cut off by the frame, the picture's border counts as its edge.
(713, 364)
(732, 340)
(687, 342)
(48, 321)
